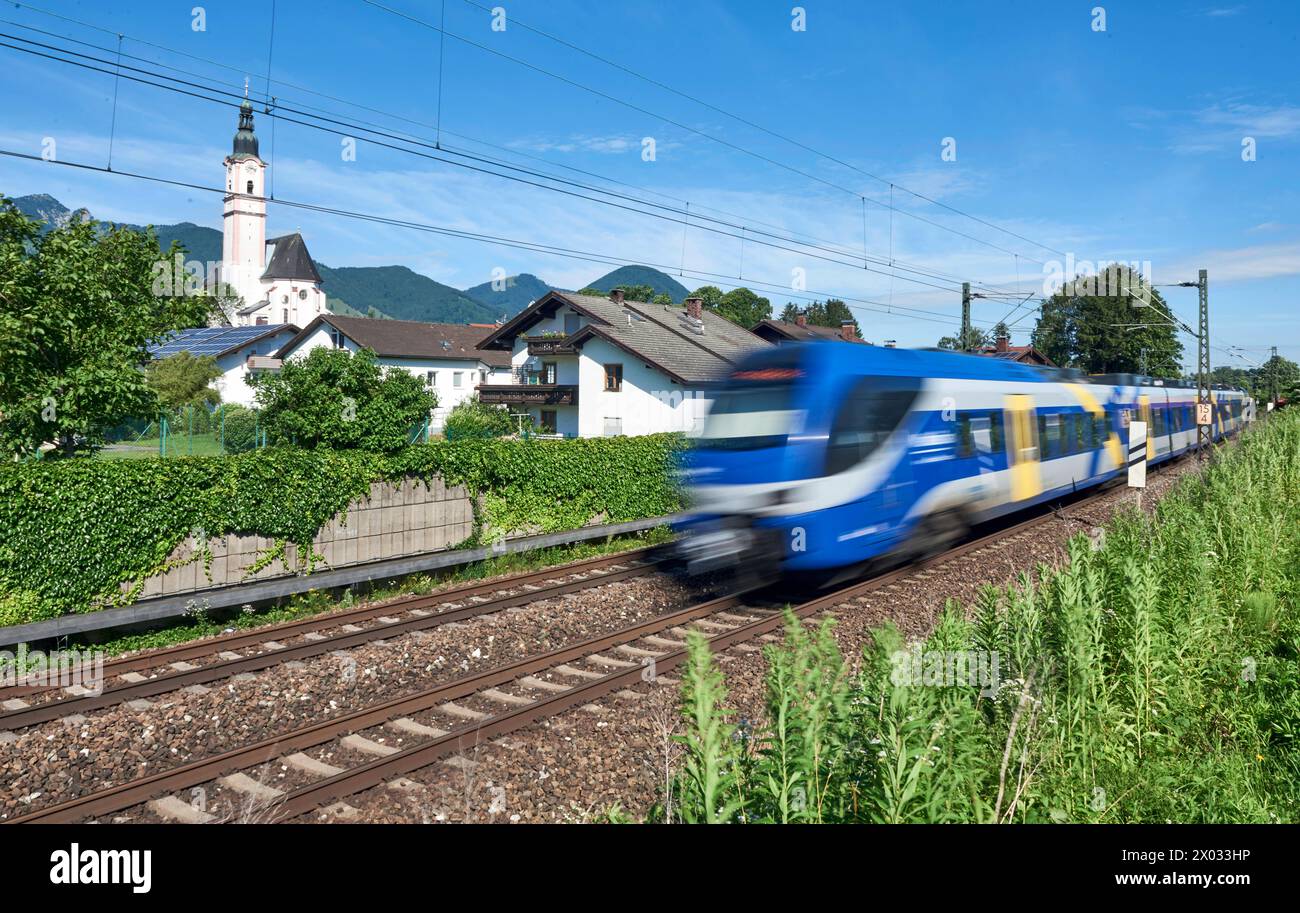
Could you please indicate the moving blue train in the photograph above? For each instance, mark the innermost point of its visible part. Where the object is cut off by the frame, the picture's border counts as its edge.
(825, 456)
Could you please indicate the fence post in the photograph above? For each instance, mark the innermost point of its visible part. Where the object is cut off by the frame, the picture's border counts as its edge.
(223, 428)
(190, 416)
(162, 436)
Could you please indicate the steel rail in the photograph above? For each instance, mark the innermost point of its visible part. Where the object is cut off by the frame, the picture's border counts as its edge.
(172, 681)
(304, 799)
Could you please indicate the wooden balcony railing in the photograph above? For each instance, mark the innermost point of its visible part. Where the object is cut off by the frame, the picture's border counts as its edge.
(550, 345)
(529, 394)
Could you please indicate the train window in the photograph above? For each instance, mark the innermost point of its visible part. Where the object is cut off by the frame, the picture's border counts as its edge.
(1067, 435)
(750, 417)
(1042, 437)
(1080, 423)
(870, 412)
(965, 438)
(1099, 430)
(996, 439)
(981, 429)
(1049, 432)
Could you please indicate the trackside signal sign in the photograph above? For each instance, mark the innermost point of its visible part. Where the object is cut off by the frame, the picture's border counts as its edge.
(1137, 454)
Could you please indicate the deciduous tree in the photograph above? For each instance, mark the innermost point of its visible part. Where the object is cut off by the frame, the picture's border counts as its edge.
(77, 316)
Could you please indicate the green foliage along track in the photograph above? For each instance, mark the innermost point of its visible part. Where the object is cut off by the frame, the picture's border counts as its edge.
(1155, 679)
(73, 532)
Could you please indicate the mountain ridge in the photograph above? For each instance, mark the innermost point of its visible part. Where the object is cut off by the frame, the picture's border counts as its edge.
(396, 291)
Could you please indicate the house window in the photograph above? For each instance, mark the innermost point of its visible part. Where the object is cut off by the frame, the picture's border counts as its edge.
(455, 378)
(336, 337)
(431, 378)
(482, 377)
(285, 312)
(548, 372)
(250, 187)
(548, 421)
(613, 378)
(613, 426)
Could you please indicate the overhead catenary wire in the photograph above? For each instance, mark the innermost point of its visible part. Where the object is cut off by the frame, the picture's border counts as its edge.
(756, 126)
(279, 112)
(270, 103)
(676, 123)
(537, 247)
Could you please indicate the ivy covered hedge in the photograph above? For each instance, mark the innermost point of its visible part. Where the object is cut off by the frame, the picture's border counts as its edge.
(73, 531)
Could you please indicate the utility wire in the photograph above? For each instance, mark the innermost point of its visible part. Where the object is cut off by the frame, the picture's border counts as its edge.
(269, 104)
(756, 126)
(498, 240)
(279, 113)
(675, 123)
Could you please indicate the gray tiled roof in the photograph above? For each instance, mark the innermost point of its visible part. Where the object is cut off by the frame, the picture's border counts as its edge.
(410, 339)
(806, 332)
(290, 260)
(660, 335)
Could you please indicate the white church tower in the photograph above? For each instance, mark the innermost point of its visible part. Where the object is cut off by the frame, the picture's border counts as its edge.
(243, 243)
(276, 277)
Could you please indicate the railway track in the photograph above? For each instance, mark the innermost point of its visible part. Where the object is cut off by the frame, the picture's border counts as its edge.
(457, 716)
(275, 644)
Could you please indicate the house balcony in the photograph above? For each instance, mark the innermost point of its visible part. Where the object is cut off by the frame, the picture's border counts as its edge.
(529, 394)
(551, 345)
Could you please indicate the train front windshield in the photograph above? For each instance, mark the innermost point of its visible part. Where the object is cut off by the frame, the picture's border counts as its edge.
(751, 417)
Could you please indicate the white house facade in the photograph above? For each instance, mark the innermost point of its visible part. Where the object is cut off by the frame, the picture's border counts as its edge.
(238, 352)
(583, 366)
(443, 355)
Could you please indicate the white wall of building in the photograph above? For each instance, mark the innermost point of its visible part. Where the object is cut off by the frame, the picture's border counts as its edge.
(292, 301)
(442, 374)
(650, 402)
(233, 382)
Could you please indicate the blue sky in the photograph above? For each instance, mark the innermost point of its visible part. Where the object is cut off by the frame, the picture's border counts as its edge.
(1117, 144)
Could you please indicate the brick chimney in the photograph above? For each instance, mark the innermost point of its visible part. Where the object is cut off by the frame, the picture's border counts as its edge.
(1004, 343)
(848, 331)
(616, 295)
(695, 308)
(801, 319)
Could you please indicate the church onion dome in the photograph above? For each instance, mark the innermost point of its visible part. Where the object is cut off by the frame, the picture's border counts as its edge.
(245, 145)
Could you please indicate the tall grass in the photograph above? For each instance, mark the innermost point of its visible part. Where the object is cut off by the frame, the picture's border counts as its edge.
(1156, 678)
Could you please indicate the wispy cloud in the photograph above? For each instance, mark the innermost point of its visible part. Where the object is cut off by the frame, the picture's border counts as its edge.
(599, 145)
(1265, 261)
(1226, 11)
(1224, 125)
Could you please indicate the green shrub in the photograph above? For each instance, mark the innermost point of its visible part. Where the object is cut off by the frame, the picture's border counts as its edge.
(473, 420)
(23, 606)
(343, 400)
(240, 428)
(1156, 679)
(74, 531)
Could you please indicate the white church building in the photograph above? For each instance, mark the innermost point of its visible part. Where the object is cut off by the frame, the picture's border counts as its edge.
(275, 277)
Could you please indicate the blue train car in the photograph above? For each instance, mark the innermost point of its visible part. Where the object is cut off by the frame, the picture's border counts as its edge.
(826, 456)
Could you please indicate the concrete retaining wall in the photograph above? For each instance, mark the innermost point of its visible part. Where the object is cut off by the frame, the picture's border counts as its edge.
(396, 520)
